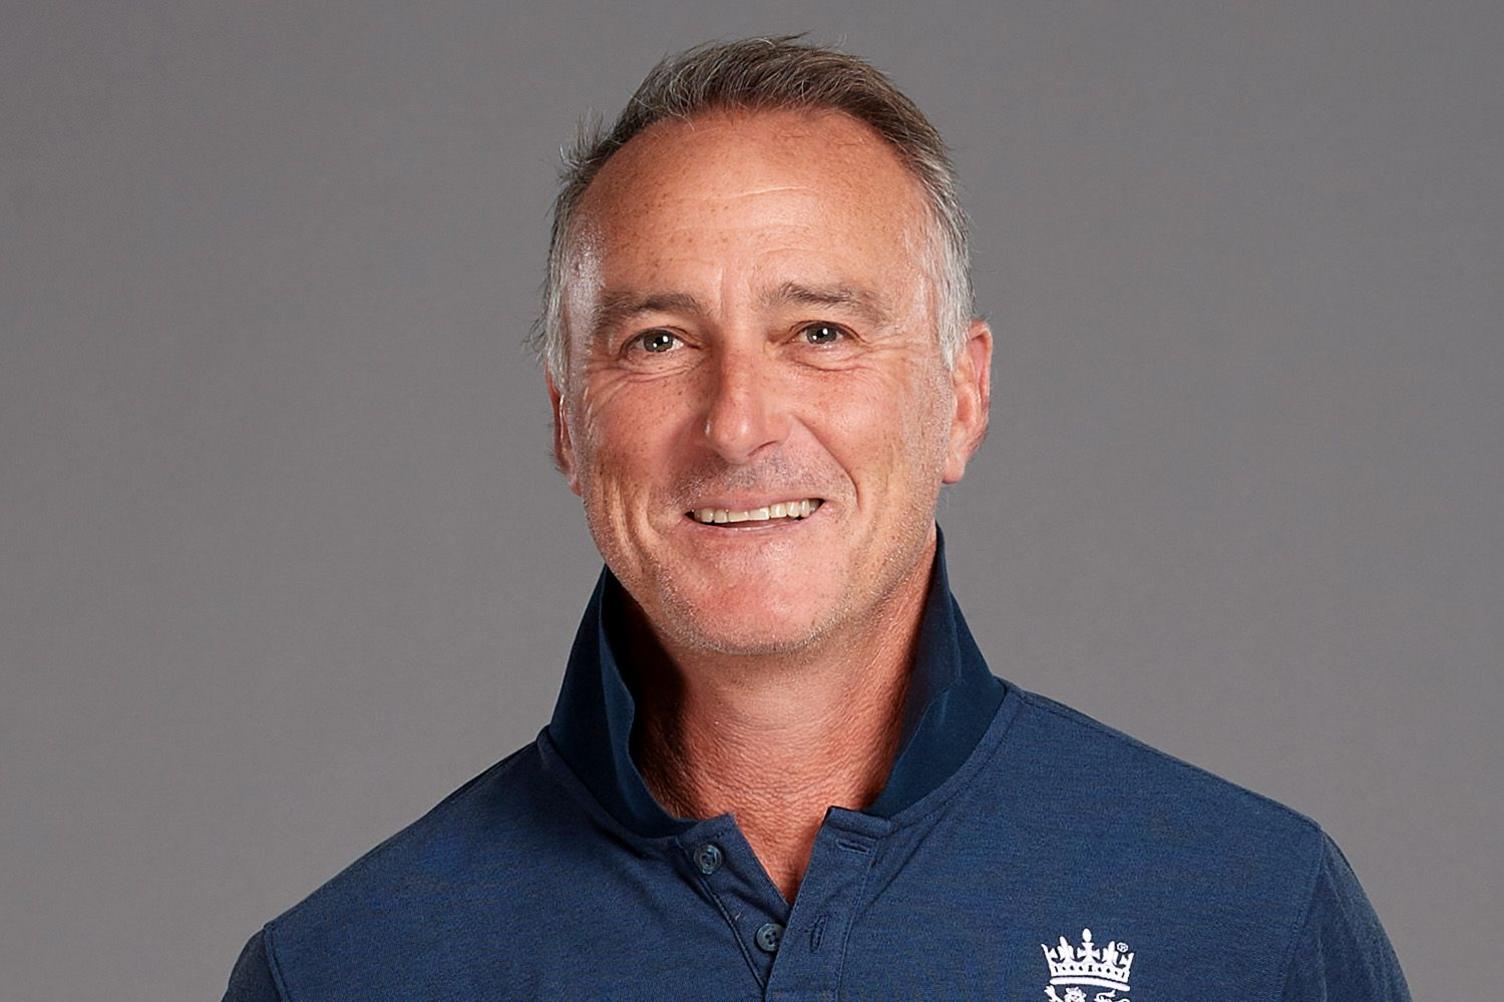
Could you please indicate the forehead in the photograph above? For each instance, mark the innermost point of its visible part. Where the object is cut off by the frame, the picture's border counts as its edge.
(761, 189)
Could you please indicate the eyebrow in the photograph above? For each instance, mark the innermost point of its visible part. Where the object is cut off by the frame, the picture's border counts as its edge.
(617, 308)
(848, 297)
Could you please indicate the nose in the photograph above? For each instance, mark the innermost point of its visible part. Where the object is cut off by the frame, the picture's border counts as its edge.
(744, 409)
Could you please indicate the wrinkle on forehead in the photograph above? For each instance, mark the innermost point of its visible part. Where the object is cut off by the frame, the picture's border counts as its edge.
(771, 189)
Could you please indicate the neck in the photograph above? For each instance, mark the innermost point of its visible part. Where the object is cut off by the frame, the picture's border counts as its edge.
(777, 739)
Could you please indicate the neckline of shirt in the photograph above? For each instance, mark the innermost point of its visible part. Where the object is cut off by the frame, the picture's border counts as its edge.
(953, 707)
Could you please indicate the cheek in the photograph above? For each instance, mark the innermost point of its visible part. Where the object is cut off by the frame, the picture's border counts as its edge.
(927, 417)
(625, 443)
(891, 427)
(616, 465)
(615, 490)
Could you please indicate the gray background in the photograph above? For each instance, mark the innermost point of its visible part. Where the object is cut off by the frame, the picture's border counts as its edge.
(283, 559)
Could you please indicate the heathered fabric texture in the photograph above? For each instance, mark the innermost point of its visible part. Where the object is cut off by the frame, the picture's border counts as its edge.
(1014, 835)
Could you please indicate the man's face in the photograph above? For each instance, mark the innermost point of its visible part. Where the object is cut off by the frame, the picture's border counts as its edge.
(751, 323)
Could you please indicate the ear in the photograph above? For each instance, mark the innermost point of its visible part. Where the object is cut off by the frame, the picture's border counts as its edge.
(563, 446)
(971, 380)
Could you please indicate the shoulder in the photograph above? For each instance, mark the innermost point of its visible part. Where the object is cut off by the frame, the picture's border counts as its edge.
(1101, 824)
(474, 842)
(438, 838)
(1085, 776)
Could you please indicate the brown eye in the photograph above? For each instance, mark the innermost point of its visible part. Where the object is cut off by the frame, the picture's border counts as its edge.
(822, 333)
(656, 342)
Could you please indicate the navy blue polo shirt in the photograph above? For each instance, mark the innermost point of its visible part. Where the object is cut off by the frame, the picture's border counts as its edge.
(1020, 850)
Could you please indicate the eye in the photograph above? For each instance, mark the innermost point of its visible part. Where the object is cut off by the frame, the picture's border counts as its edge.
(822, 333)
(655, 342)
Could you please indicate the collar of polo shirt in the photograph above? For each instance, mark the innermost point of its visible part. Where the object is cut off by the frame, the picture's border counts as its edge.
(952, 698)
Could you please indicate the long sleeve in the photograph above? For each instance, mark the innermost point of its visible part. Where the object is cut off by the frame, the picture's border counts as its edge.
(1342, 954)
(251, 980)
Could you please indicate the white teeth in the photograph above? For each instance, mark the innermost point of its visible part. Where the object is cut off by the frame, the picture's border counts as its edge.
(802, 508)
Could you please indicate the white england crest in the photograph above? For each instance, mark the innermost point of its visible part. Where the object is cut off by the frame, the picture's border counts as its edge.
(1088, 968)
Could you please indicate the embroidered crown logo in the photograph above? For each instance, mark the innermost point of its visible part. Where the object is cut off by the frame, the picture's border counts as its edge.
(1099, 968)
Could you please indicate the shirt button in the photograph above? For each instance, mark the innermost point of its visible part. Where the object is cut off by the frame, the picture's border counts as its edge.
(708, 858)
(768, 937)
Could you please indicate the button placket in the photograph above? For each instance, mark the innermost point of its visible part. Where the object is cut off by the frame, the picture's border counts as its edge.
(723, 864)
(811, 949)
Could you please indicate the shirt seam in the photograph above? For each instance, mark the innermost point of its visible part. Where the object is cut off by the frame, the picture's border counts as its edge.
(1305, 915)
(273, 966)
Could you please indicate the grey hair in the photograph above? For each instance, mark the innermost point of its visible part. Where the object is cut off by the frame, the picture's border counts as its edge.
(768, 74)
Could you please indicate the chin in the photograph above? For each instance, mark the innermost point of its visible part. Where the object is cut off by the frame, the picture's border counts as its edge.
(775, 625)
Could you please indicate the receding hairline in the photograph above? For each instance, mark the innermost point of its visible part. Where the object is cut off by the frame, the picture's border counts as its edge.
(860, 134)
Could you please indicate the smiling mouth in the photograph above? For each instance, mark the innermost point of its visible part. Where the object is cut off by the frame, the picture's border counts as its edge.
(792, 510)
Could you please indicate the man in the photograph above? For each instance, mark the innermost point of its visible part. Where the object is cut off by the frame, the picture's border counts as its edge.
(779, 767)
